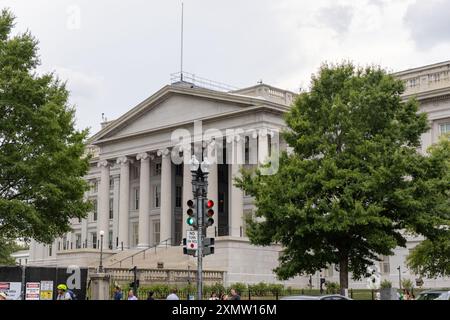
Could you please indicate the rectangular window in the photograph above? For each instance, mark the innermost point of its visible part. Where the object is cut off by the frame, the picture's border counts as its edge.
(111, 184)
(135, 234)
(111, 208)
(78, 241)
(444, 128)
(269, 141)
(156, 232)
(178, 196)
(94, 240)
(110, 239)
(135, 172)
(50, 250)
(384, 265)
(247, 150)
(94, 186)
(136, 198)
(157, 169)
(95, 210)
(157, 196)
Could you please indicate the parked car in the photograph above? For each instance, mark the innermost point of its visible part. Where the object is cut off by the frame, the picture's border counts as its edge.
(325, 297)
(434, 295)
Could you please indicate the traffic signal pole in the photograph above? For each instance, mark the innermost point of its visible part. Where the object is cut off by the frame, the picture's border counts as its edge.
(199, 218)
(200, 189)
(200, 249)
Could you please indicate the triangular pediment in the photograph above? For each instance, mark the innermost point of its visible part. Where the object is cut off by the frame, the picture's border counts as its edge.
(177, 109)
(170, 107)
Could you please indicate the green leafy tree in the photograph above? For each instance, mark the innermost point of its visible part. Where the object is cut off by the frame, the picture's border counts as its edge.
(354, 182)
(8, 247)
(431, 258)
(41, 153)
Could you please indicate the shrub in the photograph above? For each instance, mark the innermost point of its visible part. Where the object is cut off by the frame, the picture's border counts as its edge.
(407, 284)
(258, 289)
(385, 284)
(275, 289)
(332, 287)
(239, 287)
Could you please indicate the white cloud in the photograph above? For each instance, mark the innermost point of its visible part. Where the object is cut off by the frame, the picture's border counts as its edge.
(125, 51)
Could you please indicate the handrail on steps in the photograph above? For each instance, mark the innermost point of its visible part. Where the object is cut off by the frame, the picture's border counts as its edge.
(142, 251)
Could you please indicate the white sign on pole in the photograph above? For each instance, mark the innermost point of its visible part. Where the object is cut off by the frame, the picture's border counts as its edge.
(191, 240)
(32, 290)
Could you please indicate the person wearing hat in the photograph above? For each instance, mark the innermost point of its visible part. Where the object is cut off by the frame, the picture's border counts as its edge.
(62, 293)
(3, 296)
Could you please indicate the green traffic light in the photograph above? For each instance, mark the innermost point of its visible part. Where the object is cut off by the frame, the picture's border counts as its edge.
(190, 221)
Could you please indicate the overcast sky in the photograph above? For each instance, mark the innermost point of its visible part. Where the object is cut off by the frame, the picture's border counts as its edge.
(115, 53)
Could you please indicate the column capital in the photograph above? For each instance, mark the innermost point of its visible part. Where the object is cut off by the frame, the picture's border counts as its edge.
(263, 132)
(124, 160)
(144, 156)
(103, 163)
(163, 152)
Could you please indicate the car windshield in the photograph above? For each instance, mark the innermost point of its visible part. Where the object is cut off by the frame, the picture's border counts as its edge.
(430, 295)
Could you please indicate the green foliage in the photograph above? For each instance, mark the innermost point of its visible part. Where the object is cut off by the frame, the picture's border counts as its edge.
(385, 284)
(258, 289)
(332, 287)
(238, 286)
(407, 284)
(431, 258)
(217, 288)
(355, 179)
(41, 153)
(7, 247)
(275, 289)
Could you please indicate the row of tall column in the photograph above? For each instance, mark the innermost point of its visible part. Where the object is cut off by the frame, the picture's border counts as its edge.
(121, 225)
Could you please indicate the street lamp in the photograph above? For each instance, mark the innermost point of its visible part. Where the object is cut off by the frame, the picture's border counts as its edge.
(399, 277)
(194, 164)
(100, 268)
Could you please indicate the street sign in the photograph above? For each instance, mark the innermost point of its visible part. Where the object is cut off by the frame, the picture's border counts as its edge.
(192, 240)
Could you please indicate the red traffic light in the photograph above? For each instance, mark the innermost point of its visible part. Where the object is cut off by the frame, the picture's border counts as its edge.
(210, 204)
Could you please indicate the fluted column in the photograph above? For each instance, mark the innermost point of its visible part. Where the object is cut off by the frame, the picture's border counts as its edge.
(166, 215)
(115, 222)
(187, 194)
(124, 202)
(103, 203)
(263, 146)
(144, 200)
(236, 199)
(54, 248)
(84, 228)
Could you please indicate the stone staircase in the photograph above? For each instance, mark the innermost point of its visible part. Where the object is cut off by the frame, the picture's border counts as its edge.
(163, 257)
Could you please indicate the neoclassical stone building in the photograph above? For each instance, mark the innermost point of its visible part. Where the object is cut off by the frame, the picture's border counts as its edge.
(140, 195)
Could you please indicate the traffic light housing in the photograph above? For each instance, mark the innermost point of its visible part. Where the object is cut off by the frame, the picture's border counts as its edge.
(208, 246)
(191, 220)
(209, 213)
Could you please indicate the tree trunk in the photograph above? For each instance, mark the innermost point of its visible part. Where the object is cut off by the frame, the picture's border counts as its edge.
(343, 274)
